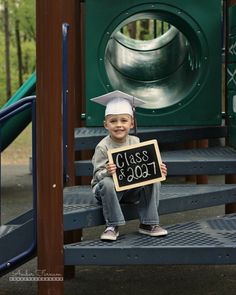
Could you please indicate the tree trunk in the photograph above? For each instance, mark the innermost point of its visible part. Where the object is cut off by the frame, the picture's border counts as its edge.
(144, 29)
(7, 49)
(132, 30)
(19, 52)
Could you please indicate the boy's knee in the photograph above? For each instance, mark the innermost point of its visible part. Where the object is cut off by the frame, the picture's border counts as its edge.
(107, 183)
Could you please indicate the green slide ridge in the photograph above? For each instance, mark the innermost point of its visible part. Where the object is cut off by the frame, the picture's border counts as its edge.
(10, 129)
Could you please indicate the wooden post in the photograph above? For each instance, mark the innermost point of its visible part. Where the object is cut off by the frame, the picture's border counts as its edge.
(231, 2)
(202, 179)
(81, 107)
(71, 15)
(229, 179)
(190, 145)
(199, 179)
(49, 144)
(230, 208)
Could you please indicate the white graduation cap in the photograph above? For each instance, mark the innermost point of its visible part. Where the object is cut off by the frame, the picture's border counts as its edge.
(118, 102)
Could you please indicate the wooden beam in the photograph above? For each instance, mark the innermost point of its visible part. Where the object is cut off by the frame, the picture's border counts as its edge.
(229, 179)
(202, 179)
(231, 2)
(49, 143)
(71, 16)
(81, 107)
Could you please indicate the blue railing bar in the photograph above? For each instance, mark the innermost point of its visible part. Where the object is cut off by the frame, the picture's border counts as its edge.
(11, 112)
(16, 105)
(65, 29)
(15, 112)
(34, 171)
(154, 28)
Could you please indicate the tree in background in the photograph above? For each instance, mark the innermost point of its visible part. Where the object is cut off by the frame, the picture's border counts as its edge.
(17, 28)
(7, 47)
(21, 37)
(145, 29)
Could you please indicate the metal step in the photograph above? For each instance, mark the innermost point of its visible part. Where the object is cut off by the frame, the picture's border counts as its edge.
(22, 218)
(81, 209)
(15, 240)
(88, 137)
(210, 161)
(210, 241)
(7, 229)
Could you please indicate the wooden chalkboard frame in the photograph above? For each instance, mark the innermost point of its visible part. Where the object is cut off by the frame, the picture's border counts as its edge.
(128, 148)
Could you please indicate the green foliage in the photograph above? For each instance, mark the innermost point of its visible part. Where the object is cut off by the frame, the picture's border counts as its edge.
(2, 72)
(145, 29)
(24, 12)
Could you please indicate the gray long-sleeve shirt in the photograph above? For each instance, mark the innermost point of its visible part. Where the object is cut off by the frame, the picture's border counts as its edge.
(100, 157)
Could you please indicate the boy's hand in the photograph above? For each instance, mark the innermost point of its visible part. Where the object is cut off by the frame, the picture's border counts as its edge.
(164, 169)
(111, 168)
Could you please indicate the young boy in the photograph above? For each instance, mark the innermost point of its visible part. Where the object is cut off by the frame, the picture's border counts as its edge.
(119, 119)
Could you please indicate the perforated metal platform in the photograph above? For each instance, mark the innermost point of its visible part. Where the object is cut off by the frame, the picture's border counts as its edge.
(87, 138)
(211, 161)
(82, 210)
(211, 241)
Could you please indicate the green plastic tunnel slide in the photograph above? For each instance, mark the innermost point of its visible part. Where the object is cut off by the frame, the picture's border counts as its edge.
(10, 129)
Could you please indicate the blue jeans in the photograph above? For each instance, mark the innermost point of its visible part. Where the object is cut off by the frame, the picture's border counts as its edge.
(146, 197)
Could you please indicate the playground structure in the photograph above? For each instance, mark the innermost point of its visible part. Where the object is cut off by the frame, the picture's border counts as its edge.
(188, 110)
(181, 67)
(12, 127)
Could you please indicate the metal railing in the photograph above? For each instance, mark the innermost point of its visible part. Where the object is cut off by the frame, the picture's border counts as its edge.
(65, 28)
(5, 114)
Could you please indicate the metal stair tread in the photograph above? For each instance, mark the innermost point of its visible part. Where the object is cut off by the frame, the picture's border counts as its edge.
(211, 161)
(210, 241)
(220, 153)
(82, 210)
(88, 137)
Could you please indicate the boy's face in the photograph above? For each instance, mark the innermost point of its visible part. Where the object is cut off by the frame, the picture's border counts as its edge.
(118, 126)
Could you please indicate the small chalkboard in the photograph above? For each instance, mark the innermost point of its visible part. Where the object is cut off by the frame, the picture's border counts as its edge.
(136, 165)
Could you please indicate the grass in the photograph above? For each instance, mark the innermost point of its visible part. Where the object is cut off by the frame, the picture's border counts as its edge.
(19, 151)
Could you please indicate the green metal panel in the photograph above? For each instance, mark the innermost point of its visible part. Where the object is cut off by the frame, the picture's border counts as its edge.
(14, 126)
(232, 20)
(27, 89)
(179, 75)
(232, 34)
(231, 77)
(232, 49)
